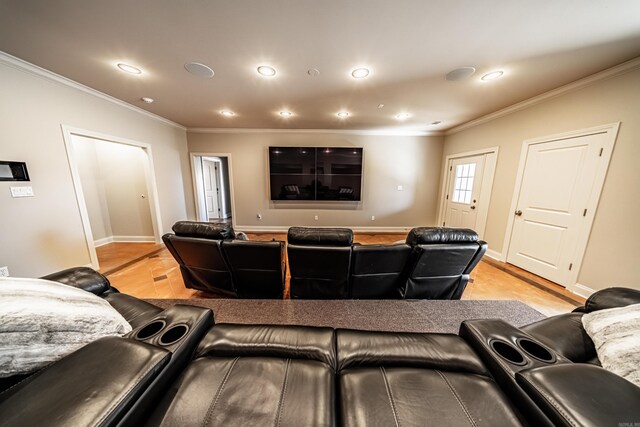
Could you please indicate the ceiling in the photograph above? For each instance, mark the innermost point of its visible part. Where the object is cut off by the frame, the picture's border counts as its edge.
(409, 46)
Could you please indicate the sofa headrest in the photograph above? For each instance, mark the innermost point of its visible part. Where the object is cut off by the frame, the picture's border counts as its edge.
(320, 236)
(281, 341)
(435, 235)
(204, 230)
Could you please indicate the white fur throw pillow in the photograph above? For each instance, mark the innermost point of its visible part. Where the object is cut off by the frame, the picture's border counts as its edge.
(43, 321)
(616, 335)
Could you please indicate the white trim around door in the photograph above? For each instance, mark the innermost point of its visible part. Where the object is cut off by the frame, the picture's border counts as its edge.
(611, 132)
(491, 161)
(198, 189)
(152, 189)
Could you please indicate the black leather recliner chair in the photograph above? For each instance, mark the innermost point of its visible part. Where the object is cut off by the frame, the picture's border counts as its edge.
(211, 259)
(319, 262)
(197, 246)
(441, 261)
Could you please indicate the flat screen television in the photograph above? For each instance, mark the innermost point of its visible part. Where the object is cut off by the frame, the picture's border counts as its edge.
(315, 173)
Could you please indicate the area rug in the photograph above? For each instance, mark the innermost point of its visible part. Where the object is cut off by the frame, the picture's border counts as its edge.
(380, 315)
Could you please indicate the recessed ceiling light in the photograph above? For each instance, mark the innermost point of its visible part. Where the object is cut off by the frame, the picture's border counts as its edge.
(265, 70)
(227, 113)
(343, 114)
(403, 116)
(146, 100)
(286, 113)
(198, 69)
(493, 75)
(460, 73)
(437, 122)
(360, 73)
(380, 105)
(129, 68)
(313, 72)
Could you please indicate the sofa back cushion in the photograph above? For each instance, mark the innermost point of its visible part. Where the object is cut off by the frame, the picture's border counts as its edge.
(377, 271)
(258, 268)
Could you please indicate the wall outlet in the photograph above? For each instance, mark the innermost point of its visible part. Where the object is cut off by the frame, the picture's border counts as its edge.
(259, 217)
(315, 217)
(373, 217)
(22, 191)
(4, 271)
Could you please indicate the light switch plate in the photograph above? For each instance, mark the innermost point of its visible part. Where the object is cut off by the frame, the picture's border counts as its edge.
(400, 188)
(22, 191)
(4, 271)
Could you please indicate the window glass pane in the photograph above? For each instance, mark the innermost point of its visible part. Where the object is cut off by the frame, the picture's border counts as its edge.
(472, 169)
(465, 170)
(467, 198)
(469, 184)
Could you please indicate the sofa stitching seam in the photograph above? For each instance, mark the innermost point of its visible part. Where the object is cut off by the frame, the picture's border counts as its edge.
(551, 401)
(455, 394)
(214, 402)
(390, 396)
(283, 391)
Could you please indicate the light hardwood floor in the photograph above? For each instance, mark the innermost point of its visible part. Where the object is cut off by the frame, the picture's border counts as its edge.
(158, 276)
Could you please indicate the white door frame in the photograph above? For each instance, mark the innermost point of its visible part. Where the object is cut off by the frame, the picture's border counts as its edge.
(152, 189)
(485, 190)
(611, 130)
(198, 191)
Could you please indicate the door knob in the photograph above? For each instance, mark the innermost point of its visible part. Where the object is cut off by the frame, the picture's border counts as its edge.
(518, 212)
(473, 207)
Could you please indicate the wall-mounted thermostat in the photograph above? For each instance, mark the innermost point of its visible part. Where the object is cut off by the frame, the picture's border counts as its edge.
(13, 171)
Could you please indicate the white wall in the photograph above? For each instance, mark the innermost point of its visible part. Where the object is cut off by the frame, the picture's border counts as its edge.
(613, 253)
(389, 161)
(44, 233)
(114, 185)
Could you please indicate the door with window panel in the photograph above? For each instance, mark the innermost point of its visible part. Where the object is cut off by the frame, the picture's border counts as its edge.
(463, 191)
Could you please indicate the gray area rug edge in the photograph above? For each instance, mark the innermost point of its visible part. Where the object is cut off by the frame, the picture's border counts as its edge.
(380, 315)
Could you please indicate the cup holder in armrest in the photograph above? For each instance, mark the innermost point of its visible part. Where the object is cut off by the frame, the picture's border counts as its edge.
(151, 329)
(508, 352)
(536, 351)
(174, 334)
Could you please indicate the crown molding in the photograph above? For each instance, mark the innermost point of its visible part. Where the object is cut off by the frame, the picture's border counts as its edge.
(366, 132)
(23, 65)
(578, 84)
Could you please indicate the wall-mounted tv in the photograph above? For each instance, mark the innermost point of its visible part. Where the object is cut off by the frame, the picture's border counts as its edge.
(315, 173)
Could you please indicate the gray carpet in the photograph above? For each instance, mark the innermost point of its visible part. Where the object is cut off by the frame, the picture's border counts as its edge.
(382, 315)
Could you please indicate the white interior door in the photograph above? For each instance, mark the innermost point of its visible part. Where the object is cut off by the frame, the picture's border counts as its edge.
(463, 191)
(551, 209)
(211, 190)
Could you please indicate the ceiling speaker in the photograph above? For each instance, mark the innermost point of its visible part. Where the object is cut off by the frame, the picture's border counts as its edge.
(199, 70)
(460, 73)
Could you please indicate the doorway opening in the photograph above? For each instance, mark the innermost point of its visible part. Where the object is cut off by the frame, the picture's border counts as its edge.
(212, 187)
(466, 189)
(117, 197)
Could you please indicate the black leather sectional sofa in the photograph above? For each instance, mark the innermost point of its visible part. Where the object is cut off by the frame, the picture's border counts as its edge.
(433, 263)
(176, 368)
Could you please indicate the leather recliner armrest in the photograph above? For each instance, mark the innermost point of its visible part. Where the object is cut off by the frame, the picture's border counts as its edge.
(581, 395)
(96, 385)
(84, 278)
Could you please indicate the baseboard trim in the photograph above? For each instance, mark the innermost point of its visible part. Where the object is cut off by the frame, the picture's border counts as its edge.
(582, 290)
(494, 254)
(356, 229)
(123, 239)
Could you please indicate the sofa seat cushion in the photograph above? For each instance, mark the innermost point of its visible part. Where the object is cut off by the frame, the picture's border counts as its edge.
(242, 391)
(418, 397)
(616, 335)
(43, 321)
